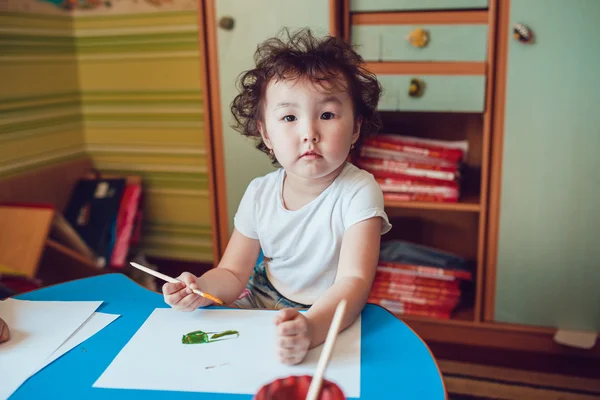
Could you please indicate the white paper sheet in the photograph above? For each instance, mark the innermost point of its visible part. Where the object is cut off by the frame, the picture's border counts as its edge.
(155, 358)
(93, 325)
(37, 329)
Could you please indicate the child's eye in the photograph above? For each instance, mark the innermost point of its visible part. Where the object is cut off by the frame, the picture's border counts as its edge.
(289, 118)
(327, 115)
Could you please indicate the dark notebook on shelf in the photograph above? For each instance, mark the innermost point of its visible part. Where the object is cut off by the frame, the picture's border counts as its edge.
(92, 211)
(399, 251)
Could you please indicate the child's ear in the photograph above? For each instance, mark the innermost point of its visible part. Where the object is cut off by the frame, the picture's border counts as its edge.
(263, 133)
(356, 133)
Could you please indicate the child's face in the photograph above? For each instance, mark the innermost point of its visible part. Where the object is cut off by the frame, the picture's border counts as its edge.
(309, 127)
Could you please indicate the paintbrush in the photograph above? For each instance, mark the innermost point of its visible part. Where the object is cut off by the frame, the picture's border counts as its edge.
(167, 278)
(315, 384)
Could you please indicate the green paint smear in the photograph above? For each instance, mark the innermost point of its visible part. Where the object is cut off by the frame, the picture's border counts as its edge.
(200, 337)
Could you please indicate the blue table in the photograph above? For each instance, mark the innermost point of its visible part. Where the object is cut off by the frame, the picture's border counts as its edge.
(395, 363)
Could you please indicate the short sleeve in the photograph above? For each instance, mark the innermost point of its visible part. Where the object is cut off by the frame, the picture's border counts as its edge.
(366, 202)
(245, 217)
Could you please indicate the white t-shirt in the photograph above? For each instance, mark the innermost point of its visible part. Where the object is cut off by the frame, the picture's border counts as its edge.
(302, 247)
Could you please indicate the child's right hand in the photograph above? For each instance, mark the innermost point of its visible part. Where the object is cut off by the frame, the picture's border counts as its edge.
(180, 296)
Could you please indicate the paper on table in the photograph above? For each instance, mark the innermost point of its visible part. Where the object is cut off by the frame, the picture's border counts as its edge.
(249, 360)
(93, 325)
(37, 329)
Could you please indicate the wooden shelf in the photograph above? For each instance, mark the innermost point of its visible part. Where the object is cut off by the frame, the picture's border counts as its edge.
(426, 68)
(468, 204)
(419, 17)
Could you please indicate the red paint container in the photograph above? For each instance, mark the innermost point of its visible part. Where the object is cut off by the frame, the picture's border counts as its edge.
(296, 388)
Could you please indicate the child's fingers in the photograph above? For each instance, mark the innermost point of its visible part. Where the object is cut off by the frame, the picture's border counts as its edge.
(200, 301)
(174, 298)
(188, 279)
(292, 336)
(296, 326)
(171, 288)
(294, 342)
(185, 304)
(290, 357)
(285, 315)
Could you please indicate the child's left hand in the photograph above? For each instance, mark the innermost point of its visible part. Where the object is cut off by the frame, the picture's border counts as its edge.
(292, 336)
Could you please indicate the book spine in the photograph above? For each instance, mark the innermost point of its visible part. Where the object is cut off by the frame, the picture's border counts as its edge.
(409, 169)
(400, 277)
(428, 270)
(441, 303)
(386, 154)
(400, 196)
(452, 155)
(417, 290)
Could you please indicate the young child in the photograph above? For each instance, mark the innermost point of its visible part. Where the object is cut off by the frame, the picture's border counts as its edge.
(318, 219)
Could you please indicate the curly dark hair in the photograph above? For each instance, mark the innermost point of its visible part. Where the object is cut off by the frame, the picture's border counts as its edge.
(302, 55)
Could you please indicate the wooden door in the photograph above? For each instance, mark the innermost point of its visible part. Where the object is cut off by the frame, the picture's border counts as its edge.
(545, 270)
(231, 51)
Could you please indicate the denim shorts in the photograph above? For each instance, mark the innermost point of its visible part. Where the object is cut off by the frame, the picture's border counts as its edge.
(260, 293)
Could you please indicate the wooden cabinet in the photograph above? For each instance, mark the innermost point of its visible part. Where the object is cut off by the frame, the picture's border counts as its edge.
(526, 218)
(453, 64)
(544, 257)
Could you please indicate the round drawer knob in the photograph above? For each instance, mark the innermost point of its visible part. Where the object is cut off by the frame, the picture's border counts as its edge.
(416, 88)
(226, 23)
(418, 37)
(522, 33)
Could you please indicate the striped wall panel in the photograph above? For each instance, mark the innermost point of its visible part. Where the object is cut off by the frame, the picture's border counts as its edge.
(123, 88)
(40, 113)
(142, 109)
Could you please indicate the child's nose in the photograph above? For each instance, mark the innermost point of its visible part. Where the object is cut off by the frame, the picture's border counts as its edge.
(311, 134)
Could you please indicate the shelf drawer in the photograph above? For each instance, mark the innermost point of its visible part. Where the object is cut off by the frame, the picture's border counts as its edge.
(446, 42)
(403, 5)
(442, 93)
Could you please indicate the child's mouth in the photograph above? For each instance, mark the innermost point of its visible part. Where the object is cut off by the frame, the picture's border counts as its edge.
(311, 155)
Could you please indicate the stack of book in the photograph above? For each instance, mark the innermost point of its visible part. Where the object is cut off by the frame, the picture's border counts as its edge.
(414, 169)
(408, 284)
(106, 212)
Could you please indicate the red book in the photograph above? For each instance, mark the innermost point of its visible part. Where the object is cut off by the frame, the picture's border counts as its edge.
(391, 291)
(392, 168)
(125, 222)
(442, 302)
(419, 274)
(399, 176)
(416, 289)
(428, 184)
(426, 292)
(388, 154)
(426, 270)
(462, 145)
(399, 196)
(418, 186)
(399, 276)
(415, 146)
